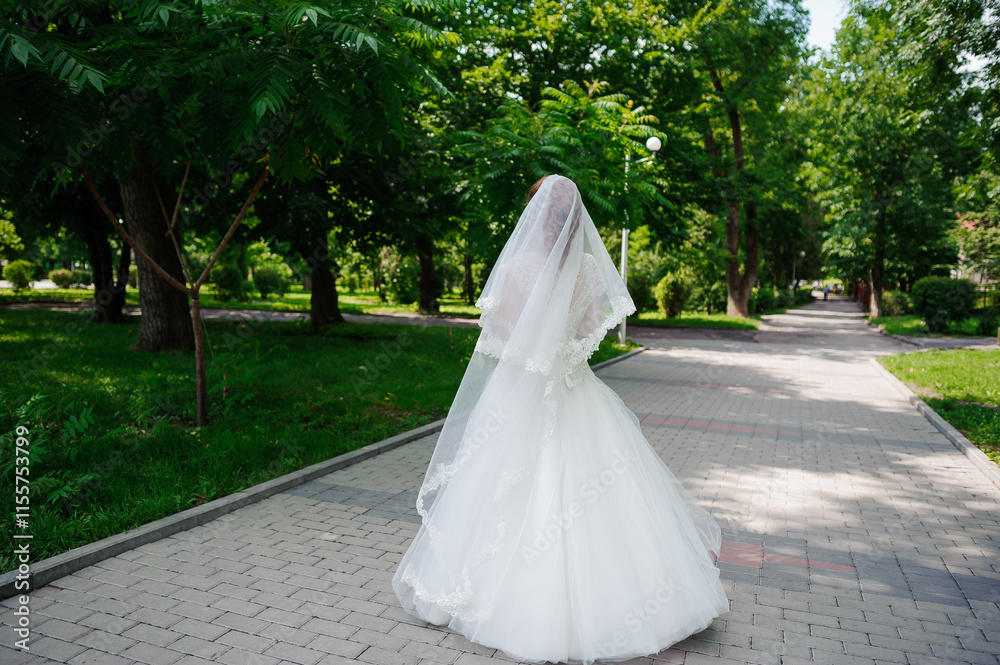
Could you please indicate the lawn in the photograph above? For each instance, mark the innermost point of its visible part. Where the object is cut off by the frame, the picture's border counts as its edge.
(368, 302)
(295, 300)
(914, 326)
(112, 438)
(962, 385)
(694, 320)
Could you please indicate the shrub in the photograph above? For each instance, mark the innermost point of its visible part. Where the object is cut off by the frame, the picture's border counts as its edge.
(672, 292)
(82, 277)
(228, 281)
(284, 283)
(20, 274)
(895, 303)
(62, 278)
(266, 281)
(803, 295)
(989, 327)
(133, 276)
(712, 298)
(640, 287)
(987, 322)
(783, 298)
(941, 300)
(762, 298)
(403, 281)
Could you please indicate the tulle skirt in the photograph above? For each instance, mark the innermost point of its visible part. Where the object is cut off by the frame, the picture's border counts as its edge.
(585, 548)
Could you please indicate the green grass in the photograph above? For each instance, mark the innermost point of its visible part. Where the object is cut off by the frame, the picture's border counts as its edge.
(914, 326)
(962, 385)
(113, 441)
(369, 303)
(295, 300)
(694, 320)
(8, 295)
(610, 348)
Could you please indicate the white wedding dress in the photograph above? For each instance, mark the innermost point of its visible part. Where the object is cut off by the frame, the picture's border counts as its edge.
(551, 528)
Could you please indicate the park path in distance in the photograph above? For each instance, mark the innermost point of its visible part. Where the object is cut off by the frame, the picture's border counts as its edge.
(854, 532)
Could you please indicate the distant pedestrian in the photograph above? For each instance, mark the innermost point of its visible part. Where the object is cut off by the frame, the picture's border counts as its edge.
(826, 291)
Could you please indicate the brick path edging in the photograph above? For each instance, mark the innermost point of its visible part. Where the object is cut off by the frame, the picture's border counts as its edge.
(55, 567)
(47, 570)
(969, 449)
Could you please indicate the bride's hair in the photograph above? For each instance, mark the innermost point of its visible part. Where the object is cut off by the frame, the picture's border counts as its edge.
(534, 189)
(561, 204)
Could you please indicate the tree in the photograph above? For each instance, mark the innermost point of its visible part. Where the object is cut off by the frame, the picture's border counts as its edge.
(9, 240)
(70, 209)
(889, 144)
(583, 133)
(746, 52)
(277, 86)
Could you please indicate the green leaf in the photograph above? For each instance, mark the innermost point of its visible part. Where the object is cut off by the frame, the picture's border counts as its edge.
(19, 49)
(95, 81)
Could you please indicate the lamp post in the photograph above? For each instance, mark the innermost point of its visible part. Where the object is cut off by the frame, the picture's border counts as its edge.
(652, 144)
(802, 253)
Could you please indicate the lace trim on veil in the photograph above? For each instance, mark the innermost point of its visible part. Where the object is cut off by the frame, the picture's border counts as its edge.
(571, 352)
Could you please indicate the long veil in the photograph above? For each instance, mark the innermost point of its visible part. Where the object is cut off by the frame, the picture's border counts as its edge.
(551, 298)
(554, 265)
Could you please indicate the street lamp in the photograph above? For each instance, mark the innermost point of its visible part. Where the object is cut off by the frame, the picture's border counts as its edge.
(652, 144)
(803, 255)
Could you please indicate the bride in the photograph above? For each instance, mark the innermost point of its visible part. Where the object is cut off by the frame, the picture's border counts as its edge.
(550, 527)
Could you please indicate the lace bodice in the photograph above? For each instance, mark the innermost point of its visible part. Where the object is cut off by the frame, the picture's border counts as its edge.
(585, 312)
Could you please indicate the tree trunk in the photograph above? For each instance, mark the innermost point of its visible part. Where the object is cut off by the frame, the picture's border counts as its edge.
(428, 302)
(738, 286)
(118, 292)
(324, 307)
(102, 274)
(165, 322)
(737, 303)
(876, 277)
(109, 287)
(467, 287)
(751, 237)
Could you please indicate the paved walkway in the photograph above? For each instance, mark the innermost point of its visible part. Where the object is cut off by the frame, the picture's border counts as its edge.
(854, 532)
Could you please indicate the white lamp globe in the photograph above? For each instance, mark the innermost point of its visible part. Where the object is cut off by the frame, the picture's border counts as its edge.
(653, 144)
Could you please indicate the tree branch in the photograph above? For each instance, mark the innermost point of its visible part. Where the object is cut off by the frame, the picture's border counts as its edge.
(131, 243)
(172, 221)
(232, 228)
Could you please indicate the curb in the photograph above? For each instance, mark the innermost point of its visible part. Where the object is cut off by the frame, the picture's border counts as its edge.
(921, 345)
(53, 568)
(899, 338)
(969, 449)
(617, 359)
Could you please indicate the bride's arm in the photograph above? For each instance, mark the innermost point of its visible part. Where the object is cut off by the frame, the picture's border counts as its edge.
(510, 306)
(594, 314)
(592, 318)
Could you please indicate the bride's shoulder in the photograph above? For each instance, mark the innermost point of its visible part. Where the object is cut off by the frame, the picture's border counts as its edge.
(529, 261)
